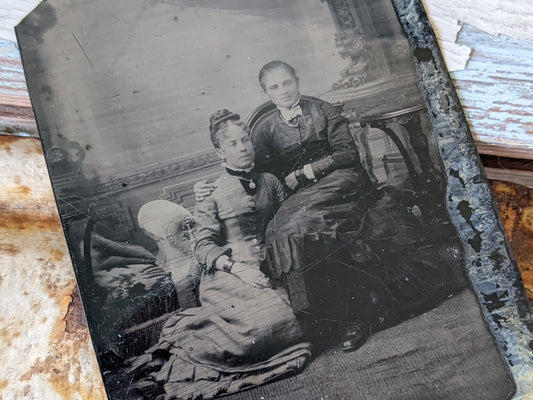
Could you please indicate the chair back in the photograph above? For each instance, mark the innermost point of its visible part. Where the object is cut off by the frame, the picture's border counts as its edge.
(267, 108)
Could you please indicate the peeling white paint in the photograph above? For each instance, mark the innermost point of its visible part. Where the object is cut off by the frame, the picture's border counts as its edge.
(11, 12)
(496, 91)
(504, 17)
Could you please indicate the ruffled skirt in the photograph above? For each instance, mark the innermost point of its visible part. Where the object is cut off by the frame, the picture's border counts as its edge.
(241, 337)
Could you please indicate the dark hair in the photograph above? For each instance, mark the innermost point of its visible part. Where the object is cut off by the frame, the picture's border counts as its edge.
(218, 125)
(272, 65)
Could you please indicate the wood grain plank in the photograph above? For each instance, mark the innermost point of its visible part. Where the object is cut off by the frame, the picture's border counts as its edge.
(504, 17)
(16, 114)
(496, 91)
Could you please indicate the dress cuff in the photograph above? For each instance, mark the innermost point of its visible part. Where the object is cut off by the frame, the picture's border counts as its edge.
(213, 255)
(308, 172)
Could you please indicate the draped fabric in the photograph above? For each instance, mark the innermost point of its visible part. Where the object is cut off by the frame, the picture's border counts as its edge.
(241, 337)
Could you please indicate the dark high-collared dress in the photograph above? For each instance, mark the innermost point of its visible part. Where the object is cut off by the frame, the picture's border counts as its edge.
(306, 228)
(344, 250)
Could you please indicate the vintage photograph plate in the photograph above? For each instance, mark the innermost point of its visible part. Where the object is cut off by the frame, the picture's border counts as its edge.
(274, 200)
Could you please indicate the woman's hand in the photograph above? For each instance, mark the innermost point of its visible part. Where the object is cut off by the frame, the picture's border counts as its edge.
(251, 275)
(221, 261)
(291, 181)
(202, 190)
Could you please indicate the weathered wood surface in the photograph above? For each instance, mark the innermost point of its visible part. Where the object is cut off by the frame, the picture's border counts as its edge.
(47, 354)
(495, 84)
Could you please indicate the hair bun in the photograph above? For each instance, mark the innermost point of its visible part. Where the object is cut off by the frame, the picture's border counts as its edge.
(220, 116)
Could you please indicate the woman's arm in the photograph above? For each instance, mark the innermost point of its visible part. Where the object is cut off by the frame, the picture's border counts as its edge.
(209, 241)
(265, 157)
(280, 195)
(344, 153)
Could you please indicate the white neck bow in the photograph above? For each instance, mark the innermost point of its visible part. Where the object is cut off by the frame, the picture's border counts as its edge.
(289, 114)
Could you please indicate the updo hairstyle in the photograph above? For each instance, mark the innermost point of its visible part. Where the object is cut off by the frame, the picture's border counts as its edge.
(218, 125)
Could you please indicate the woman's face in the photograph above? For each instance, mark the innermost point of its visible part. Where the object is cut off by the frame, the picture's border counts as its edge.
(282, 87)
(236, 148)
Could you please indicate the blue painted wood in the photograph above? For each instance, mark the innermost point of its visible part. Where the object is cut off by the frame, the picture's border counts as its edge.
(16, 115)
(496, 91)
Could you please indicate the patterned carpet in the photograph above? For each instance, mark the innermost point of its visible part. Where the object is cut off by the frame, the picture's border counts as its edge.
(447, 353)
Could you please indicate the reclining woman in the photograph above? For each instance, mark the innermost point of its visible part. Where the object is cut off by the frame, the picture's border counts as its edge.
(244, 333)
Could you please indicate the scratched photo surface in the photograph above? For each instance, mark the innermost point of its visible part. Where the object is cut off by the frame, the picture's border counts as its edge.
(255, 202)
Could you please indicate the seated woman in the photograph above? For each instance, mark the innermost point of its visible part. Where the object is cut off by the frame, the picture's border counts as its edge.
(308, 144)
(245, 333)
(346, 251)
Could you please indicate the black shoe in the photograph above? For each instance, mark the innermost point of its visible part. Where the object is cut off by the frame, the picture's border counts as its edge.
(355, 337)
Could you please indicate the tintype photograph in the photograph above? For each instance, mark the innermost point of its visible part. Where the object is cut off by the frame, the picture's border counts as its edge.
(255, 201)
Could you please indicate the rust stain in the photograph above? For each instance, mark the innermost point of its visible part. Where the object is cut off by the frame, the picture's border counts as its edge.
(7, 335)
(527, 277)
(6, 141)
(3, 384)
(62, 366)
(36, 148)
(511, 217)
(19, 190)
(68, 335)
(29, 221)
(27, 375)
(502, 187)
(75, 319)
(57, 255)
(526, 220)
(55, 286)
(8, 248)
(515, 203)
